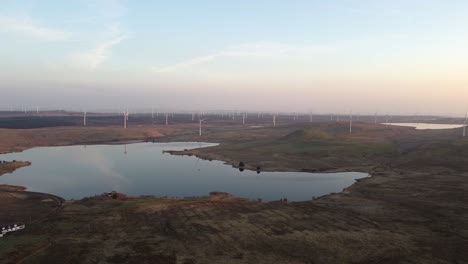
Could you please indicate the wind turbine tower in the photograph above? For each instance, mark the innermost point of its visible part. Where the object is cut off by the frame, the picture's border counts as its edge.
(167, 117)
(274, 120)
(243, 119)
(84, 118)
(200, 127)
(311, 117)
(351, 123)
(125, 115)
(375, 118)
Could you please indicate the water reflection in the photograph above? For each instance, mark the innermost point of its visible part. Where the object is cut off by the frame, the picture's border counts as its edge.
(78, 171)
(426, 125)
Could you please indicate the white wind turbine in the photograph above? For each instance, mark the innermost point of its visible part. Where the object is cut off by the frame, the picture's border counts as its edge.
(152, 112)
(375, 118)
(125, 115)
(243, 119)
(274, 120)
(84, 118)
(200, 127)
(167, 117)
(311, 117)
(351, 122)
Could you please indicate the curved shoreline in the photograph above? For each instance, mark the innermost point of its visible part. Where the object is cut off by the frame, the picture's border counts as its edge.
(227, 162)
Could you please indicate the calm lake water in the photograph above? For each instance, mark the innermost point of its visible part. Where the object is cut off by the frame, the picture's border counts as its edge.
(426, 125)
(74, 172)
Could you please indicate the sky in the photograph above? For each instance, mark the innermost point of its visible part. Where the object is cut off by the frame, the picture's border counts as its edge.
(397, 57)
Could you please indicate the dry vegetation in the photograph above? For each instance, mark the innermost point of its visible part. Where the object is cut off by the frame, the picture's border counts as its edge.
(14, 140)
(413, 209)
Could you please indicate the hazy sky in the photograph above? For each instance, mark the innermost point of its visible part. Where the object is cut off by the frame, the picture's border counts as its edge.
(387, 56)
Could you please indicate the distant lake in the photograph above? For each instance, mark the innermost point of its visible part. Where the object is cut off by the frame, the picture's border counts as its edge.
(74, 172)
(426, 125)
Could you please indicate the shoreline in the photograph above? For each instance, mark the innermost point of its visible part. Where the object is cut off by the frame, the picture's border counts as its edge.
(184, 153)
(247, 166)
(412, 203)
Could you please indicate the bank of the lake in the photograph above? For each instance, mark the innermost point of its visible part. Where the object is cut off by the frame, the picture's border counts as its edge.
(139, 169)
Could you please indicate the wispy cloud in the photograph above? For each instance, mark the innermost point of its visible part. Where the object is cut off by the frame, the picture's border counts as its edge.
(109, 14)
(94, 58)
(27, 27)
(258, 49)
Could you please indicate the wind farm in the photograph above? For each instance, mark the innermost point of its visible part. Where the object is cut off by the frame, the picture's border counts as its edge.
(350, 145)
(233, 132)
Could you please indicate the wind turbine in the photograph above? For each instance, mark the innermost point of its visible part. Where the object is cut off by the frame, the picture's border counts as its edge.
(201, 121)
(125, 115)
(152, 112)
(167, 117)
(84, 118)
(351, 122)
(386, 121)
(243, 119)
(464, 125)
(274, 120)
(311, 117)
(375, 118)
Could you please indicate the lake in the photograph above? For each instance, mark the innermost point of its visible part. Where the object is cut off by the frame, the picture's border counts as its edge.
(74, 172)
(426, 125)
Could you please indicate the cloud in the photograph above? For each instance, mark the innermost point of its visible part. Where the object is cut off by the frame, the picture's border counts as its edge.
(27, 27)
(94, 58)
(109, 14)
(249, 50)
